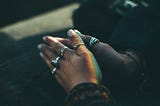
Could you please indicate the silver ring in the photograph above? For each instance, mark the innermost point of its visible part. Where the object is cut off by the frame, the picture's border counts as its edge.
(54, 70)
(55, 62)
(93, 40)
(62, 50)
(77, 45)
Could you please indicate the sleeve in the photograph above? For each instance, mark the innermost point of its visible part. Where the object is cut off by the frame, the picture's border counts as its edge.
(138, 30)
(89, 94)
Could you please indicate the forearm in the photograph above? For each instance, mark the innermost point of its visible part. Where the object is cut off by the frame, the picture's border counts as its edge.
(135, 61)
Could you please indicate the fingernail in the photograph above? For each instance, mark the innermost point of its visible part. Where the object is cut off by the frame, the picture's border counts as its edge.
(41, 54)
(39, 46)
(70, 33)
(79, 33)
(44, 38)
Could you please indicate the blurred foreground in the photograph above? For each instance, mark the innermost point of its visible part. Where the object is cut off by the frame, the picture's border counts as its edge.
(24, 79)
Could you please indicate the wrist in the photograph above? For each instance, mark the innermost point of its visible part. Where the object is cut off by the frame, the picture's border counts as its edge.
(86, 93)
(79, 82)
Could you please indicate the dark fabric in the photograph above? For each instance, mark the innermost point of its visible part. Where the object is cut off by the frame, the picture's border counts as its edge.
(25, 80)
(89, 94)
(140, 30)
(94, 17)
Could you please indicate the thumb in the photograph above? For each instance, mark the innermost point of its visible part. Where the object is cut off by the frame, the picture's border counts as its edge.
(76, 42)
(98, 48)
(94, 47)
(85, 38)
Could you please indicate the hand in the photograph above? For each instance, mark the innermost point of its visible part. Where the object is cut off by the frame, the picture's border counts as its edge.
(116, 68)
(77, 65)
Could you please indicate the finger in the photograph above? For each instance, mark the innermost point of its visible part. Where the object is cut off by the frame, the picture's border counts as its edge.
(60, 81)
(58, 46)
(75, 39)
(89, 40)
(97, 47)
(64, 41)
(85, 38)
(46, 60)
(47, 51)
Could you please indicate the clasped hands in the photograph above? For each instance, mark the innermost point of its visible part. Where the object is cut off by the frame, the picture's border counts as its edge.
(76, 66)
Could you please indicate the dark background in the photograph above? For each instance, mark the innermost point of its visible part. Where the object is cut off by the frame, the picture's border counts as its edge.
(15, 10)
(24, 80)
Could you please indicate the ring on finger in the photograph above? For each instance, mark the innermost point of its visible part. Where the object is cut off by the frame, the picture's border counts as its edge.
(77, 45)
(62, 50)
(54, 70)
(93, 40)
(54, 62)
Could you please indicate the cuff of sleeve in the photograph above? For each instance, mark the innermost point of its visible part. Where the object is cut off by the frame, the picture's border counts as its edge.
(87, 93)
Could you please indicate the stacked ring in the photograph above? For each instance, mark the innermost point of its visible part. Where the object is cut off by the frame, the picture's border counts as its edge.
(77, 45)
(93, 40)
(62, 50)
(54, 70)
(55, 62)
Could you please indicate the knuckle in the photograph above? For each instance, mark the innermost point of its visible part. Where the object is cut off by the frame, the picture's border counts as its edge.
(86, 53)
(56, 44)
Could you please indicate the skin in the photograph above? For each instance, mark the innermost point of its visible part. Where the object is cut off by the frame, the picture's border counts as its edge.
(110, 61)
(76, 66)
